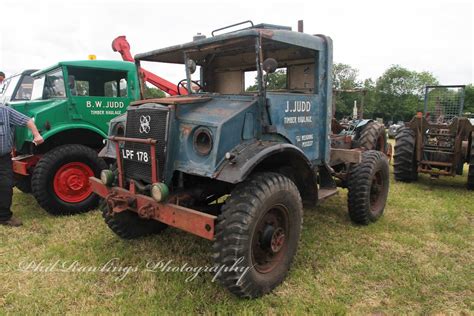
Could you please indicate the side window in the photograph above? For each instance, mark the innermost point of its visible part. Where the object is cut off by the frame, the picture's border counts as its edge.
(49, 86)
(97, 82)
(116, 88)
(82, 88)
(123, 87)
(110, 89)
(54, 85)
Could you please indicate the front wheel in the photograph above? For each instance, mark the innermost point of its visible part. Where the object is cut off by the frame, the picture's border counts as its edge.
(368, 185)
(128, 225)
(60, 181)
(257, 234)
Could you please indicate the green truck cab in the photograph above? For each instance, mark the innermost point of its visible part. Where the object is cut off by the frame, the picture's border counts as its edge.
(72, 103)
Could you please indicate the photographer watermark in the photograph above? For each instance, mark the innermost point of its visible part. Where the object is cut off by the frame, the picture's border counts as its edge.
(115, 267)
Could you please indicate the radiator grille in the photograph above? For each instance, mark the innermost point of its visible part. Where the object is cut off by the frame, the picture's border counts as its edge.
(136, 128)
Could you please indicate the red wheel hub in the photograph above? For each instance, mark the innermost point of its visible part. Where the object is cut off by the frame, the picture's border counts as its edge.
(71, 182)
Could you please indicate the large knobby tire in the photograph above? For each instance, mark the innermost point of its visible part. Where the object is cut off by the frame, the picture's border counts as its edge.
(128, 225)
(368, 185)
(257, 233)
(373, 136)
(404, 164)
(60, 181)
(470, 178)
(23, 183)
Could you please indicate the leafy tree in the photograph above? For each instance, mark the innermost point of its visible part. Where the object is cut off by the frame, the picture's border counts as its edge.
(469, 99)
(400, 92)
(345, 77)
(275, 81)
(153, 93)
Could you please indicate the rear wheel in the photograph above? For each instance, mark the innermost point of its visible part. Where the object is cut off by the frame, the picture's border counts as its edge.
(404, 165)
(368, 185)
(257, 233)
(470, 178)
(128, 225)
(23, 183)
(60, 181)
(373, 136)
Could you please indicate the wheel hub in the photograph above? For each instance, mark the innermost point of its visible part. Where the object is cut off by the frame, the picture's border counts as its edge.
(270, 246)
(278, 239)
(272, 239)
(71, 182)
(376, 189)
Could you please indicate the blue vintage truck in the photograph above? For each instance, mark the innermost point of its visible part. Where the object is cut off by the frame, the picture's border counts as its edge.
(233, 166)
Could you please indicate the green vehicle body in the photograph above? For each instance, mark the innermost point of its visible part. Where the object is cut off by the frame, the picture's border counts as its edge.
(58, 115)
(72, 103)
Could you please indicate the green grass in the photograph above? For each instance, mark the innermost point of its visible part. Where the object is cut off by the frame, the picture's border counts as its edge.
(417, 259)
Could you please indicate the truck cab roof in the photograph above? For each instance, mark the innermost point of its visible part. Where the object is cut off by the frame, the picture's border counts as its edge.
(99, 64)
(274, 37)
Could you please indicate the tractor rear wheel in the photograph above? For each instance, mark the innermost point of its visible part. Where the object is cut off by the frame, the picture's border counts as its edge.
(404, 165)
(23, 183)
(257, 234)
(60, 181)
(470, 178)
(373, 136)
(368, 185)
(128, 225)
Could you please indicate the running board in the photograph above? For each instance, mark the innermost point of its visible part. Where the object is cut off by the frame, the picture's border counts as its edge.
(324, 193)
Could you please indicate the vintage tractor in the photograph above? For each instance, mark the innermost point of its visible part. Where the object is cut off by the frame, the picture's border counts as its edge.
(358, 132)
(439, 142)
(233, 166)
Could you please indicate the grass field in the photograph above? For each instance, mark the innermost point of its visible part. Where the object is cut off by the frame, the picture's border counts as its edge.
(419, 258)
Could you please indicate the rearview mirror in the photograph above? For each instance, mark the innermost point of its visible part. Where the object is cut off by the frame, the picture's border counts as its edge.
(191, 64)
(270, 65)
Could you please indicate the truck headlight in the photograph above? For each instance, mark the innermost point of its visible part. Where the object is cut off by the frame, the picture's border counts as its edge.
(202, 141)
(107, 177)
(159, 191)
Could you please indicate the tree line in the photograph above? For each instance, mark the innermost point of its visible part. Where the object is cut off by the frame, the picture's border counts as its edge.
(395, 96)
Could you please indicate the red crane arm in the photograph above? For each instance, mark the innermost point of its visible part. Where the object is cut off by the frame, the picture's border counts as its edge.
(121, 45)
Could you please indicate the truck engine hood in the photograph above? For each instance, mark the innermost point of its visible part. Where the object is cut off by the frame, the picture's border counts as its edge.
(213, 111)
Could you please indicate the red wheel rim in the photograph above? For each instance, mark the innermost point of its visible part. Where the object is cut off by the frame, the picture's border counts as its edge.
(71, 182)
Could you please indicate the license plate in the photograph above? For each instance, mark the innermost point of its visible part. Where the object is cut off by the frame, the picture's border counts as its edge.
(136, 155)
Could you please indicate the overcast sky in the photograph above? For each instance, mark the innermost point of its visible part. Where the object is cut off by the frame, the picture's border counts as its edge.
(436, 36)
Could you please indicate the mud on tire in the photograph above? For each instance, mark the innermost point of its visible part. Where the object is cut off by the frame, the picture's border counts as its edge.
(47, 187)
(258, 230)
(368, 185)
(404, 164)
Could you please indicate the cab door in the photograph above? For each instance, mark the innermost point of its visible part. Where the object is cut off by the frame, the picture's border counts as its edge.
(98, 95)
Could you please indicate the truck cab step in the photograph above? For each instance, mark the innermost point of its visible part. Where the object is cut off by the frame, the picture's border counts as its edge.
(324, 193)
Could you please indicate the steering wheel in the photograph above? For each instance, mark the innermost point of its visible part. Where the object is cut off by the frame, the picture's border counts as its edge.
(181, 85)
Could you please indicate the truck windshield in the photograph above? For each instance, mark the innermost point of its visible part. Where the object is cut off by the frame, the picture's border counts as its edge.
(7, 89)
(48, 86)
(23, 93)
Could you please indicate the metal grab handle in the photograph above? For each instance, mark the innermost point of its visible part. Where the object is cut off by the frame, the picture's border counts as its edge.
(229, 26)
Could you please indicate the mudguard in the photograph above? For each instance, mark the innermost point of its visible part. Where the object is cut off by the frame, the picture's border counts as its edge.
(270, 156)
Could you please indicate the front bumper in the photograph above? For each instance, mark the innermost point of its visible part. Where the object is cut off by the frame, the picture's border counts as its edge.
(24, 163)
(119, 200)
